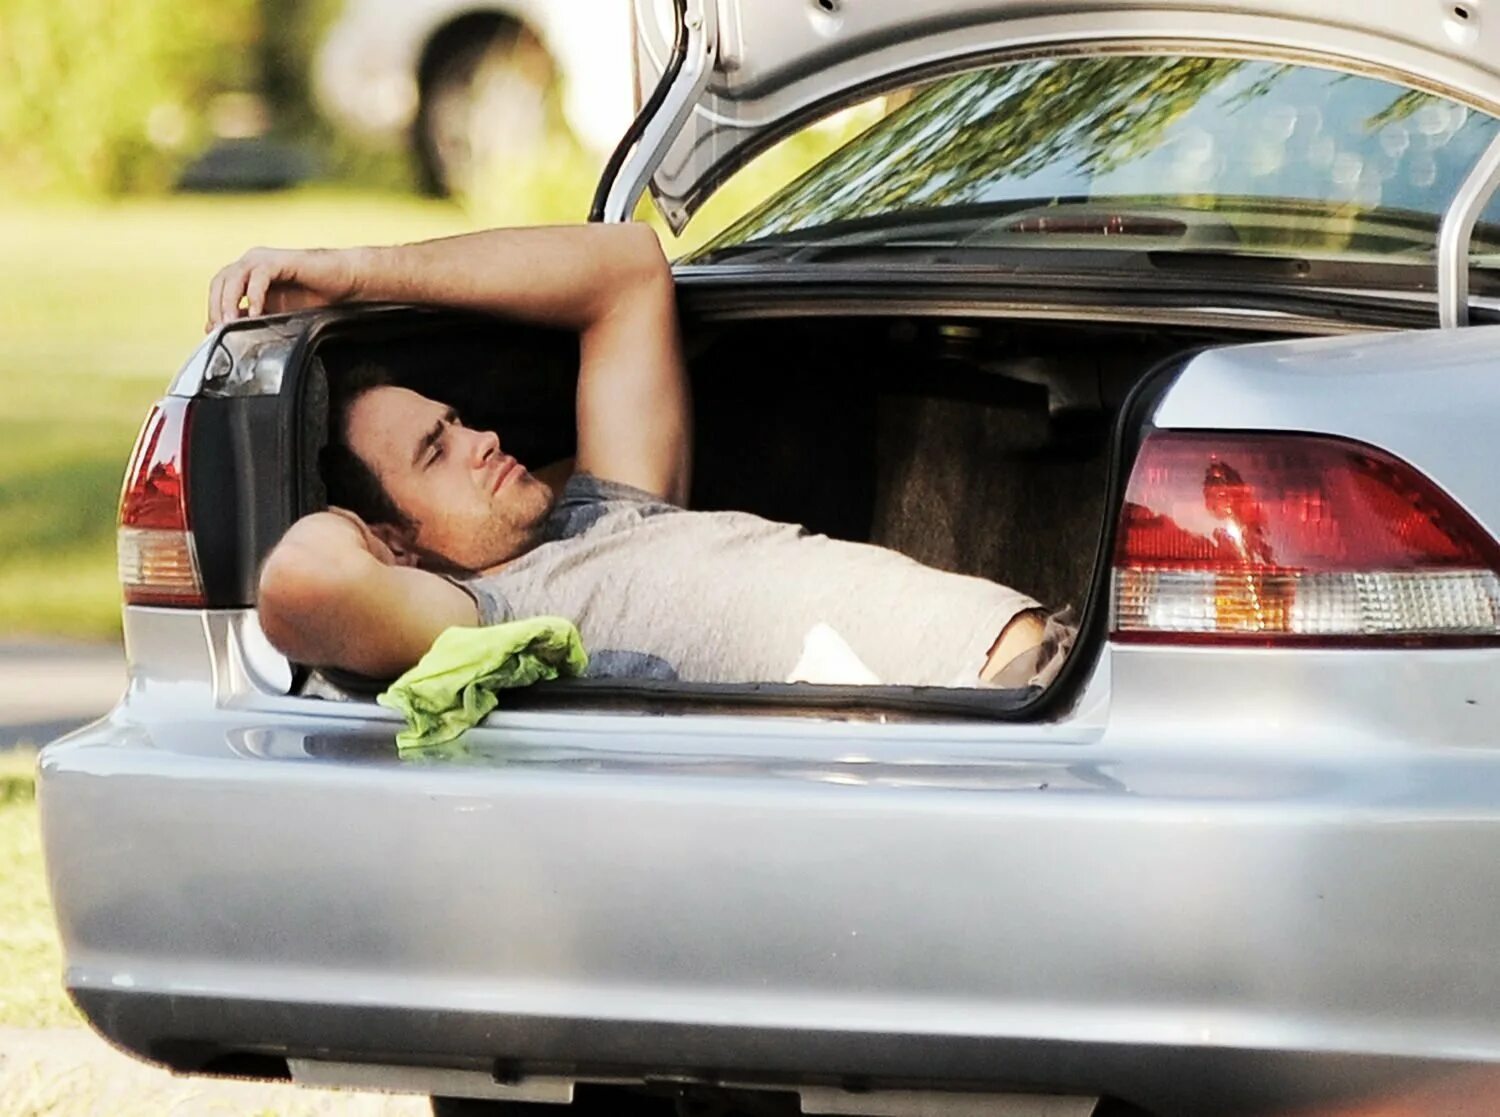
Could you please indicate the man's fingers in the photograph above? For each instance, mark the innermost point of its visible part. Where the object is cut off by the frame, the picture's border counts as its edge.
(229, 286)
(255, 290)
(230, 293)
(213, 299)
(218, 295)
(266, 280)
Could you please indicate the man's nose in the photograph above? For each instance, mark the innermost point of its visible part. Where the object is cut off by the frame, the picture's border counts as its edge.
(486, 445)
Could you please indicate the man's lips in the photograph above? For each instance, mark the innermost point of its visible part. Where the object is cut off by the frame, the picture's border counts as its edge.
(506, 468)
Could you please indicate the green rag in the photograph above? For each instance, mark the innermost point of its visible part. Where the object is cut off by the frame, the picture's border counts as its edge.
(454, 685)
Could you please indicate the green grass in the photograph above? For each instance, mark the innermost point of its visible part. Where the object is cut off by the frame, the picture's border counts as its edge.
(31, 993)
(99, 306)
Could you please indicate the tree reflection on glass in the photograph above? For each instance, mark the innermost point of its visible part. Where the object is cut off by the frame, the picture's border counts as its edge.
(1293, 155)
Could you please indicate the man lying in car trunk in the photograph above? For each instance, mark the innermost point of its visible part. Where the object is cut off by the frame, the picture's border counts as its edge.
(439, 526)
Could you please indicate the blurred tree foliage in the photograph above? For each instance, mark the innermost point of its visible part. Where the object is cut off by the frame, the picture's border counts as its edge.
(112, 96)
(292, 31)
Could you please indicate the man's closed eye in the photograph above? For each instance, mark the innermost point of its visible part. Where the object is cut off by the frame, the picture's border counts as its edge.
(433, 445)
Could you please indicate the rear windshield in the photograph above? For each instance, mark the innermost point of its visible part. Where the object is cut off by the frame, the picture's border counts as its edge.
(1122, 152)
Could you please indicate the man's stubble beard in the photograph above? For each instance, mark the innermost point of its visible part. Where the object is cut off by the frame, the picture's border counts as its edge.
(518, 538)
(505, 540)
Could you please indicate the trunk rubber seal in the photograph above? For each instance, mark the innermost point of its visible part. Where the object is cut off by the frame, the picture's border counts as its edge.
(1132, 426)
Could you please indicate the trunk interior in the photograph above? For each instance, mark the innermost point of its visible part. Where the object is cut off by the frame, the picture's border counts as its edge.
(980, 446)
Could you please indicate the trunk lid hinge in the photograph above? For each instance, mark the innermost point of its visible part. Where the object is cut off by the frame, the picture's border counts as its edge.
(1456, 235)
(660, 120)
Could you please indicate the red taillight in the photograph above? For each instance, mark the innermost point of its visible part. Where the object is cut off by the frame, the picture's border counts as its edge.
(1272, 539)
(158, 562)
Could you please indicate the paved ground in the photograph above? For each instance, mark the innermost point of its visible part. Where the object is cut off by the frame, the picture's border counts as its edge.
(70, 1072)
(47, 689)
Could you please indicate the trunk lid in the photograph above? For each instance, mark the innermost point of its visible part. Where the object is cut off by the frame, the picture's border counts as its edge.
(751, 72)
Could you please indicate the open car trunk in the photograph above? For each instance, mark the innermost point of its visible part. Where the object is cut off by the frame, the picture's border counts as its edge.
(977, 445)
(251, 883)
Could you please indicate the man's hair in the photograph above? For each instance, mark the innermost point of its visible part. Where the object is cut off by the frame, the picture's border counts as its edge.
(350, 481)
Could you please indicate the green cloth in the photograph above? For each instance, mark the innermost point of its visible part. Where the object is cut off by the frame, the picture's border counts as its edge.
(455, 684)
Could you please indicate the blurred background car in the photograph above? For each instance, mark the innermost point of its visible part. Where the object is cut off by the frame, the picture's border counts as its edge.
(464, 83)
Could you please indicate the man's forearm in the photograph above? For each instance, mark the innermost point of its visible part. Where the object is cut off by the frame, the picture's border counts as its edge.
(566, 276)
(609, 283)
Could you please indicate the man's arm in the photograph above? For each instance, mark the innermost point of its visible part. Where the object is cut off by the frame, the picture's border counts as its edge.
(332, 594)
(610, 283)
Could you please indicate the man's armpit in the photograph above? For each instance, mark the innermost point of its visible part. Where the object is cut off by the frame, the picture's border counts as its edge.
(489, 608)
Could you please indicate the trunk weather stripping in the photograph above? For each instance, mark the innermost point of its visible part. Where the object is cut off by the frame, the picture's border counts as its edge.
(683, 82)
(1457, 233)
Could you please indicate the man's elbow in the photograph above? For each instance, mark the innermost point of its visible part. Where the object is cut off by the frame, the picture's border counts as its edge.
(640, 254)
(637, 282)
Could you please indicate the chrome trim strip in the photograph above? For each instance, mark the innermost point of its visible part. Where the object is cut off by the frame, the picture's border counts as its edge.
(189, 379)
(701, 21)
(1456, 235)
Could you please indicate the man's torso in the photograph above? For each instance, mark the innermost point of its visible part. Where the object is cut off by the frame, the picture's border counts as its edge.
(661, 592)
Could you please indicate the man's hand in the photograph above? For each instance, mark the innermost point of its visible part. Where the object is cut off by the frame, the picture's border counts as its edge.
(274, 280)
(374, 540)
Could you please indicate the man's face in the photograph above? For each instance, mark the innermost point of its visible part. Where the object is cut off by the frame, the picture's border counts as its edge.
(470, 503)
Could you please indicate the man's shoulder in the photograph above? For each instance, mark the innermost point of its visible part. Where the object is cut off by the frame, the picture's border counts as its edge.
(587, 499)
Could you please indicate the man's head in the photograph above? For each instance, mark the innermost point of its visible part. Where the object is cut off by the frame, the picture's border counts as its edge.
(428, 485)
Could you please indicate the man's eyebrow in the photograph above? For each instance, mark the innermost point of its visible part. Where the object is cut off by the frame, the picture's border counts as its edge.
(429, 440)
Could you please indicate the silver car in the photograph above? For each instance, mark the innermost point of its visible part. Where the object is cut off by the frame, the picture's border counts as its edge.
(1176, 312)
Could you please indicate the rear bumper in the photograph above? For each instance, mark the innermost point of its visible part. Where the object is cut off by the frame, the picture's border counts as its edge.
(1178, 1079)
(787, 900)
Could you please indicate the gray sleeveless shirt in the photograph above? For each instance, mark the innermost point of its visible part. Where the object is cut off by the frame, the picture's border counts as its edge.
(661, 592)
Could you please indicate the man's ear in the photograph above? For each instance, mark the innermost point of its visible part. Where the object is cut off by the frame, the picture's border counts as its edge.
(399, 540)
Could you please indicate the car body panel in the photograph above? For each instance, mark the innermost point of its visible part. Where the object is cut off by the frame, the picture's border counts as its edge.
(773, 69)
(1229, 863)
